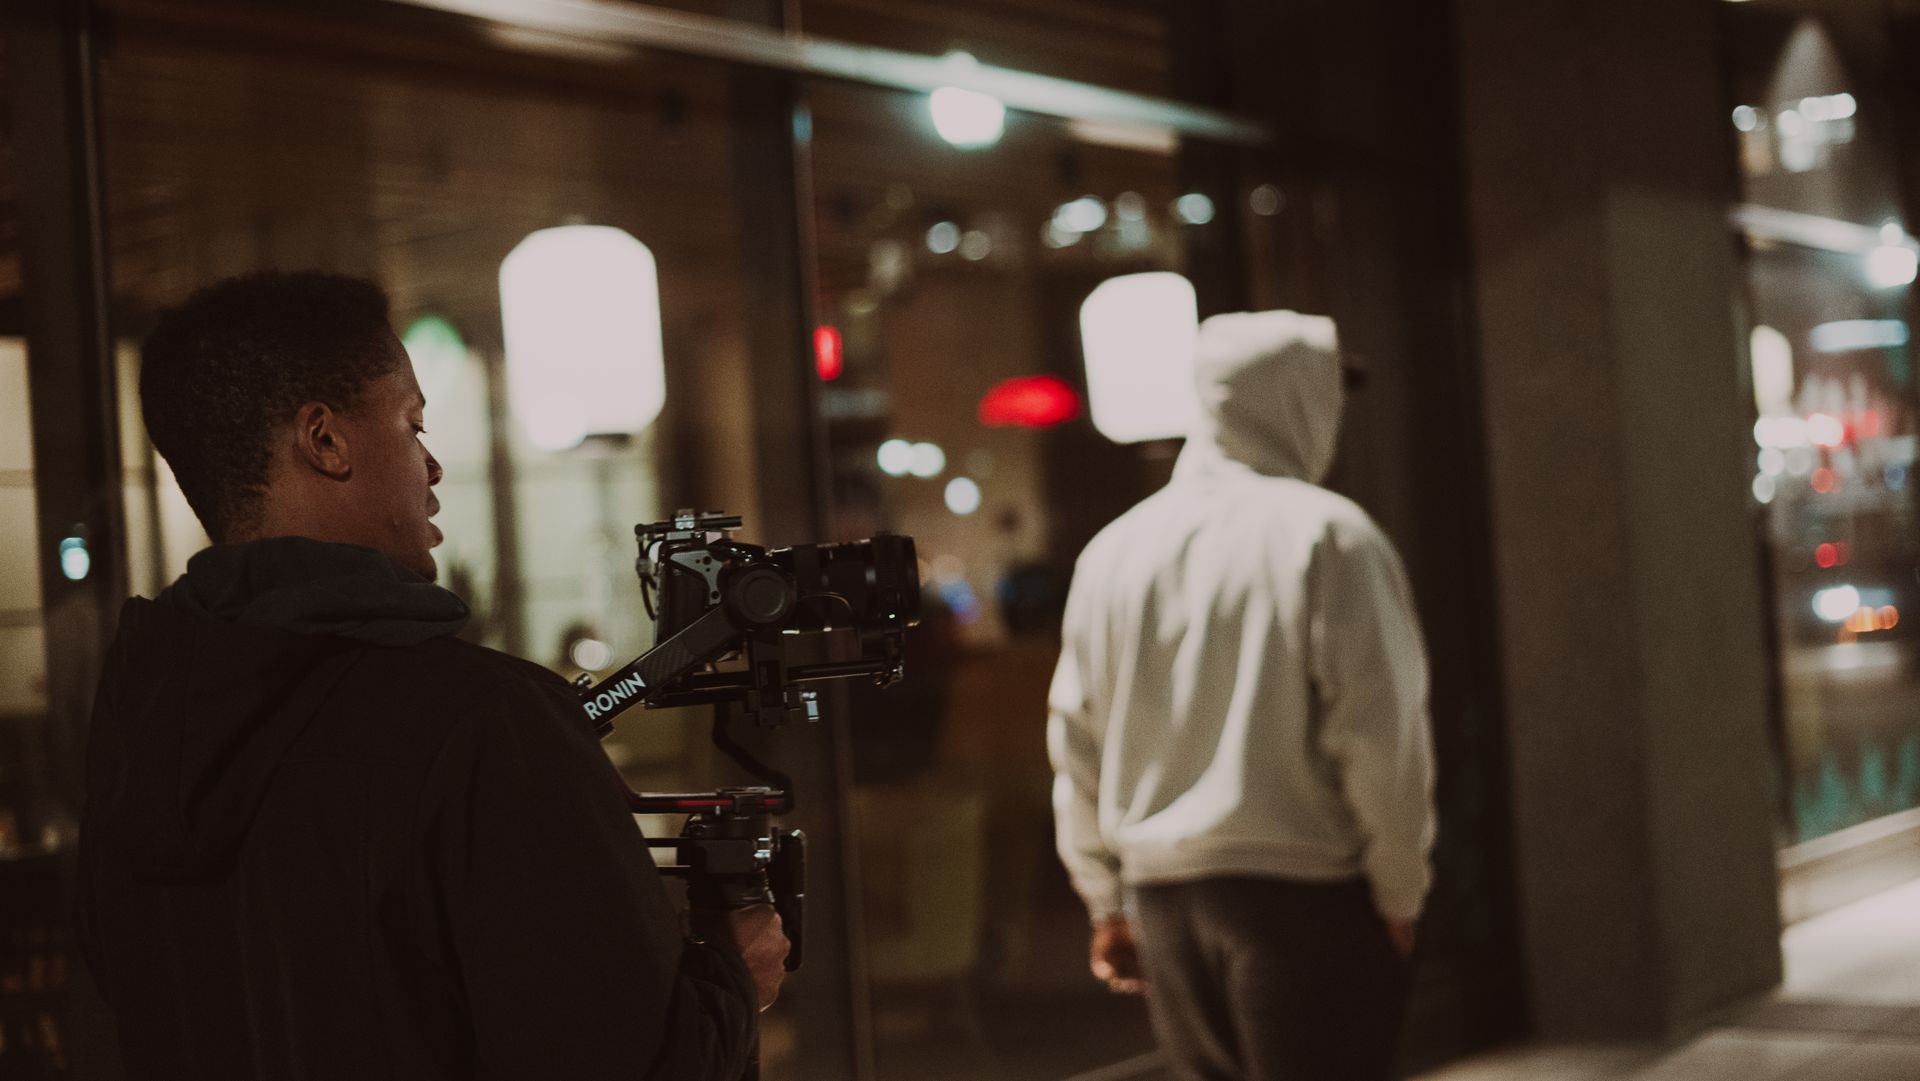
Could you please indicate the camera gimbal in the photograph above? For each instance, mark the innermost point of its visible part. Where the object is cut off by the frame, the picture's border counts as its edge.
(715, 600)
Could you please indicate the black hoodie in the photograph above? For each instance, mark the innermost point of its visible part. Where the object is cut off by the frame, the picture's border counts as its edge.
(326, 839)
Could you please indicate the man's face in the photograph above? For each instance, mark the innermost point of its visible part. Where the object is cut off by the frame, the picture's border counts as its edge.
(393, 473)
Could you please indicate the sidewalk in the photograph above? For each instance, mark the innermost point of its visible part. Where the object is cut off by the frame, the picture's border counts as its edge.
(1849, 1010)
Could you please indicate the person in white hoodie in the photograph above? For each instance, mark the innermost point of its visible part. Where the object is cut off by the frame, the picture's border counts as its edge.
(1239, 733)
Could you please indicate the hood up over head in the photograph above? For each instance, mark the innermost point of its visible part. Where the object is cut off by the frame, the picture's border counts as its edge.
(1270, 393)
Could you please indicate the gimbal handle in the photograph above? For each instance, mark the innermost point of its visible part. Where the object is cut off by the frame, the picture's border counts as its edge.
(732, 856)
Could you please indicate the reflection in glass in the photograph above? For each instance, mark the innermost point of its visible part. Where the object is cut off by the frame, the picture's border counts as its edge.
(1838, 420)
(957, 279)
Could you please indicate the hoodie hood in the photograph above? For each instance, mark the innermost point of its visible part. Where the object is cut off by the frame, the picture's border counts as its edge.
(1270, 394)
(209, 685)
(314, 587)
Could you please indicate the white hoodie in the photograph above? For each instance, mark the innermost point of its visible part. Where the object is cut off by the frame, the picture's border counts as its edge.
(1242, 688)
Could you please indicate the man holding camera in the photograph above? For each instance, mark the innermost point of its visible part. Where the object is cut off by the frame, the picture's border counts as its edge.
(1243, 783)
(324, 838)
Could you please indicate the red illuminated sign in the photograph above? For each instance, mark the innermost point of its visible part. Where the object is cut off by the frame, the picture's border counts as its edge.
(829, 352)
(1030, 401)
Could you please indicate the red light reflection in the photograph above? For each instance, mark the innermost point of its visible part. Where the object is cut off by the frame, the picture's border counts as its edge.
(829, 352)
(1030, 401)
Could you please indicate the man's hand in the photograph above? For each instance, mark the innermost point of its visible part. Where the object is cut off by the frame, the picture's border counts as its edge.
(1114, 959)
(1401, 934)
(756, 932)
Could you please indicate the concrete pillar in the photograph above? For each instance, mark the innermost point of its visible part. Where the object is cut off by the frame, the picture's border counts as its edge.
(1598, 177)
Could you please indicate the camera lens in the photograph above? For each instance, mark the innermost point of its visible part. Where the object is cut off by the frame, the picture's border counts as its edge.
(875, 583)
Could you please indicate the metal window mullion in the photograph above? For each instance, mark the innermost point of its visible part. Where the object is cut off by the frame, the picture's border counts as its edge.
(71, 385)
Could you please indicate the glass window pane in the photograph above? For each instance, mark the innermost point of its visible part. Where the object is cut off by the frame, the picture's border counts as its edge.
(35, 820)
(422, 162)
(1836, 407)
(953, 279)
(224, 161)
(1832, 466)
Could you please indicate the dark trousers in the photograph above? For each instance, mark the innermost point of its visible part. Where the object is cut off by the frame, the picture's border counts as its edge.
(1264, 979)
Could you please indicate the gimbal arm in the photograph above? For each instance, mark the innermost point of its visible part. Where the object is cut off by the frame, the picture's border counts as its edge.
(699, 644)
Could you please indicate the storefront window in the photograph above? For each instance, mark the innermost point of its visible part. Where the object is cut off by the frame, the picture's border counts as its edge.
(1829, 289)
(224, 161)
(225, 157)
(945, 391)
(954, 397)
(36, 822)
(1845, 536)
(36, 826)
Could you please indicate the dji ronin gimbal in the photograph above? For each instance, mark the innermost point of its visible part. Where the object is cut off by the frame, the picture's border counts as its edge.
(715, 601)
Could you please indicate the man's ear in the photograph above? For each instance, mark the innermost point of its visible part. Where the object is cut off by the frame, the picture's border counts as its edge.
(320, 441)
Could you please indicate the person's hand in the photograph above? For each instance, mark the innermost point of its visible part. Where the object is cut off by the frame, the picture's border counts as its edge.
(1400, 932)
(757, 933)
(1114, 959)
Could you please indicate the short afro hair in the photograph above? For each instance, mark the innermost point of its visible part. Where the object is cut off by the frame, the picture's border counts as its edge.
(220, 373)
